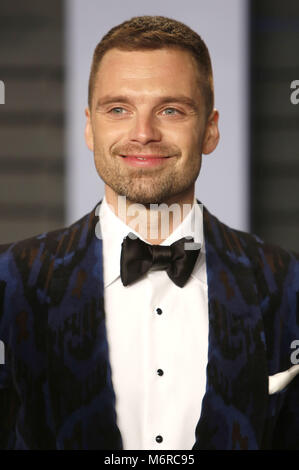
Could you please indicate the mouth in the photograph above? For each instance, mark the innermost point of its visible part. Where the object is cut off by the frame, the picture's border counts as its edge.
(145, 160)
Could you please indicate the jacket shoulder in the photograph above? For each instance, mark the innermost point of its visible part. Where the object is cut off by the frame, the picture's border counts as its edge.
(54, 243)
(27, 267)
(248, 245)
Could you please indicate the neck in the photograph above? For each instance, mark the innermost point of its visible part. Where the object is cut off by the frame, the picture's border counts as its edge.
(153, 222)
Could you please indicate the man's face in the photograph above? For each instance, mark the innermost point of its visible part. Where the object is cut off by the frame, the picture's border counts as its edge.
(148, 104)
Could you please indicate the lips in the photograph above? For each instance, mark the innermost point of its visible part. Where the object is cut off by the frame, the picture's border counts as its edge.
(144, 160)
(145, 157)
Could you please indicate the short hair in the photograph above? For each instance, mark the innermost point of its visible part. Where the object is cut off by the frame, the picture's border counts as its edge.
(157, 32)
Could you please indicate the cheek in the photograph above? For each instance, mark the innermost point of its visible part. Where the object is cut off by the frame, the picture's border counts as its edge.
(107, 134)
(102, 138)
(178, 136)
(186, 137)
(196, 141)
(190, 146)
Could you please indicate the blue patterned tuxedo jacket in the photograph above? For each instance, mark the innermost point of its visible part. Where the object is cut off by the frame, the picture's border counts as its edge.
(56, 390)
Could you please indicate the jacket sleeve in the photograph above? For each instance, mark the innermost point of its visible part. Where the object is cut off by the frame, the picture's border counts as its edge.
(9, 401)
(286, 435)
(286, 431)
(9, 405)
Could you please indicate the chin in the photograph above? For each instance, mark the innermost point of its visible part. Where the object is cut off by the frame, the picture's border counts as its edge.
(142, 199)
(147, 199)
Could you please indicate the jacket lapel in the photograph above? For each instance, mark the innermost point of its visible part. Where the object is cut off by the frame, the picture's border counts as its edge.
(234, 405)
(82, 409)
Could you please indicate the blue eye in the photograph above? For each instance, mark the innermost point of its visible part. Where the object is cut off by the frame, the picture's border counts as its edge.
(172, 109)
(119, 110)
(113, 109)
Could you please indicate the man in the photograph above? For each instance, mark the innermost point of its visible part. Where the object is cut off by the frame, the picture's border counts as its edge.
(120, 334)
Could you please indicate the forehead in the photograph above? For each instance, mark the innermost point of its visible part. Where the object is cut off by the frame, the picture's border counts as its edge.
(167, 68)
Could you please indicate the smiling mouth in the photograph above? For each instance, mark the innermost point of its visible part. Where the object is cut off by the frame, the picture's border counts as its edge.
(145, 161)
(145, 157)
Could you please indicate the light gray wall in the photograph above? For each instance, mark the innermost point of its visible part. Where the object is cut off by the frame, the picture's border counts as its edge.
(223, 182)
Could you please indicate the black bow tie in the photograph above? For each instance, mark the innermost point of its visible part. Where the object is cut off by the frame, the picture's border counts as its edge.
(138, 257)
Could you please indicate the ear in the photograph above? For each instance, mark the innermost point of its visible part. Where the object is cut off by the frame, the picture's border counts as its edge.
(212, 135)
(88, 130)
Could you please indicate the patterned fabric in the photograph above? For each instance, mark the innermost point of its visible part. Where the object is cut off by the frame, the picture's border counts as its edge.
(55, 386)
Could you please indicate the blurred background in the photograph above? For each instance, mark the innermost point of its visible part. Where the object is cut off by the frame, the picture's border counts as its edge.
(48, 178)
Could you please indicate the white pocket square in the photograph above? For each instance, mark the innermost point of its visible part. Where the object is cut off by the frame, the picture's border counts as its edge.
(279, 381)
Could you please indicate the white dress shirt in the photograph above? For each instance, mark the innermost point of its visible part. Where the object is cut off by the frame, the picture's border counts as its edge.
(158, 357)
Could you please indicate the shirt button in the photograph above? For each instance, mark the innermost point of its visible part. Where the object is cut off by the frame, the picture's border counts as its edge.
(159, 439)
(159, 311)
(160, 372)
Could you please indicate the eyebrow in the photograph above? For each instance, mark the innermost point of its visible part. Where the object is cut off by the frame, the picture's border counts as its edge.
(182, 99)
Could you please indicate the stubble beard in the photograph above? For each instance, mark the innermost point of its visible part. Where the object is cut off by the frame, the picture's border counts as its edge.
(146, 186)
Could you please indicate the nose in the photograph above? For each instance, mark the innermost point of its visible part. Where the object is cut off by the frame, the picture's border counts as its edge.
(144, 128)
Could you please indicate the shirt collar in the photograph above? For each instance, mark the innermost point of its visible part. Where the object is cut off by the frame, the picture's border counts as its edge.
(113, 231)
